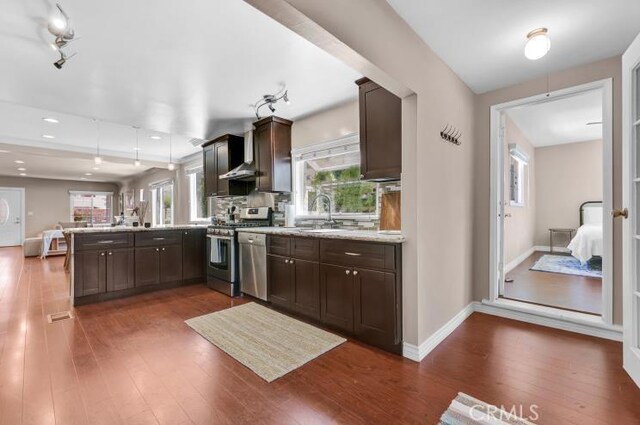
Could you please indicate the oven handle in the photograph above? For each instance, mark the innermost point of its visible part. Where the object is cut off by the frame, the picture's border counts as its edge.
(228, 238)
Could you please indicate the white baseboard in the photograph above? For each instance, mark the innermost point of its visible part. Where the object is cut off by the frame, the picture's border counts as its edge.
(545, 248)
(417, 353)
(519, 259)
(544, 316)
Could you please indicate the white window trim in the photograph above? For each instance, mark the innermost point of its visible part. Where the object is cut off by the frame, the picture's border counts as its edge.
(297, 156)
(521, 178)
(152, 188)
(92, 193)
(192, 171)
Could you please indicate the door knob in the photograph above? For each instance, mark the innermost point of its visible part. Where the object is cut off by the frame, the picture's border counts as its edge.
(620, 213)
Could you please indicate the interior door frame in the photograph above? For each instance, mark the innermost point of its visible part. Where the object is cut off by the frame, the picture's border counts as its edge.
(496, 265)
(22, 192)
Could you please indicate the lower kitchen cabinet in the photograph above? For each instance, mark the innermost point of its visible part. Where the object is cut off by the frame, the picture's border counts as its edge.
(147, 266)
(90, 273)
(305, 288)
(279, 280)
(193, 254)
(170, 263)
(336, 297)
(120, 269)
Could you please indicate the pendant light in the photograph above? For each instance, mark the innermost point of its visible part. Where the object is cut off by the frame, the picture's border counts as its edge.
(137, 162)
(538, 44)
(97, 159)
(171, 165)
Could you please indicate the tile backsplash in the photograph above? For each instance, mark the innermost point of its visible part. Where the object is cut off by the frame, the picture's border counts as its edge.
(273, 200)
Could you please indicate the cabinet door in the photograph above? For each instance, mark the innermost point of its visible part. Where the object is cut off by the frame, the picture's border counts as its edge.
(376, 307)
(336, 297)
(170, 263)
(305, 298)
(193, 254)
(147, 266)
(263, 157)
(120, 269)
(222, 166)
(380, 133)
(90, 273)
(210, 168)
(279, 273)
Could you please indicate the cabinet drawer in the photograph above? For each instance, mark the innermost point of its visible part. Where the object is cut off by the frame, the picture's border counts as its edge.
(157, 238)
(358, 254)
(279, 245)
(89, 241)
(305, 248)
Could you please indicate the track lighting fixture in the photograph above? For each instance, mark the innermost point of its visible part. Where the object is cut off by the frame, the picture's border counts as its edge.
(136, 162)
(270, 100)
(63, 59)
(171, 165)
(59, 26)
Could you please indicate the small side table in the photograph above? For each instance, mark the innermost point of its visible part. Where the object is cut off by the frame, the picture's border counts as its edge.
(552, 231)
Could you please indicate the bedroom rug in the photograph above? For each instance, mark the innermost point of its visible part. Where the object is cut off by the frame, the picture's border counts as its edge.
(566, 264)
(466, 410)
(267, 342)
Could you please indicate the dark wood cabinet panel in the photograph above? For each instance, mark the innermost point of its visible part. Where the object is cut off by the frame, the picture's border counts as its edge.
(380, 132)
(156, 238)
(220, 156)
(210, 170)
(170, 263)
(222, 166)
(147, 266)
(377, 306)
(305, 297)
(90, 273)
(336, 297)
(193, 254)
(272, 154)
(102, 241)
(279, 245)
(279, 273)
(120, 269)
(358, 254)
(305, 248)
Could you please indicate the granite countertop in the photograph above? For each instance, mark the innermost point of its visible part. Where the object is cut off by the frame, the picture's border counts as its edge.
(357, 235)
(133, 229)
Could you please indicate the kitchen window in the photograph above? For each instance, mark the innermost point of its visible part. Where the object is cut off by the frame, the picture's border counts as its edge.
(333, 169)
(197, 200)
(91, 207)
(162, 203)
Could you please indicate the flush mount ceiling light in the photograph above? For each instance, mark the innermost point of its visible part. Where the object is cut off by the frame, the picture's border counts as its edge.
(270, 100)
(51, 120)
(538, 44)
(58, 25)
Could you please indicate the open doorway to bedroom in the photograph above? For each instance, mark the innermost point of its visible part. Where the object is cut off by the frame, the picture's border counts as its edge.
(553, 186)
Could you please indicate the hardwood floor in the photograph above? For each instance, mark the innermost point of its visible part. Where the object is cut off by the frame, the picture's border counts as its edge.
(134, 361)
(576, 293)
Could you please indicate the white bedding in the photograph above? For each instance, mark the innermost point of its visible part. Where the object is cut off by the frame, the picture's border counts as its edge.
(587, 242)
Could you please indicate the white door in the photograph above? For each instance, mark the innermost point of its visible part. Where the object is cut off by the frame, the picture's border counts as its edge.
(631, 198)
(11, 216)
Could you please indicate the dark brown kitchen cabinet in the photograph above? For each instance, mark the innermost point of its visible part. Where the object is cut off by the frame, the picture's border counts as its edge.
(279, 280)
(272, 154)
(305, 287)
(220, 156)
(380, 132)
(147, 266)
(336, 297)
(170, 263)
(90, 273)
(120, 269)
(193, 254)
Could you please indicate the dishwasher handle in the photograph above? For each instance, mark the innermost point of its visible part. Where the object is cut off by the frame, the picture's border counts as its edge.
(254, 239)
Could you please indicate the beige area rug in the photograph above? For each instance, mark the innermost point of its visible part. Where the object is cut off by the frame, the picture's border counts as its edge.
(267, 342)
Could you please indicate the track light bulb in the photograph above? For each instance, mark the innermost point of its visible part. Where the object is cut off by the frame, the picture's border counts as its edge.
(97, 160)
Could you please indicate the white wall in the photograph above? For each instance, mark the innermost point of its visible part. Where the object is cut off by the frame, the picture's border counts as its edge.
(326, 125)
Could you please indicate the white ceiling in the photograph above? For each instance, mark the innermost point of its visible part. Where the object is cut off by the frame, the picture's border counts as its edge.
(192, 68)
(560, 121)
(483, 41)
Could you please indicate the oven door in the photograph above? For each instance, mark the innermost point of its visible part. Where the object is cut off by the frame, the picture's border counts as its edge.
(221, 257)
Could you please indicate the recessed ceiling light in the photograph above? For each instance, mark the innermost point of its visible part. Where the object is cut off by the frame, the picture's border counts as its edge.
(83, 178)
(96, 168)
(22, 169)
(3, 151)
(51, 120)
(155, 137)
(88, 174)
(48, 136)
(136, 149)
(538, 44)
(23, 174)
(17, 161)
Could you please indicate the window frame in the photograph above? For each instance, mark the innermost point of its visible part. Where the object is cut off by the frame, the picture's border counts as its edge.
(93, 194)
(192, 190)
(158, 189)
(347, 142)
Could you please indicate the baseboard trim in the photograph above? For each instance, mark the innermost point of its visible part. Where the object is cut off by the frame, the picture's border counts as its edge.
(545, 248)
(569, 321)
(417, 353)
(519, 259)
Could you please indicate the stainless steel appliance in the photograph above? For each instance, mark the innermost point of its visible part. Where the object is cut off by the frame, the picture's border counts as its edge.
(222, 249)
(253, 264)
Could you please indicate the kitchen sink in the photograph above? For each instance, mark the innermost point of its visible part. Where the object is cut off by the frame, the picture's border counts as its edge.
(323, 230)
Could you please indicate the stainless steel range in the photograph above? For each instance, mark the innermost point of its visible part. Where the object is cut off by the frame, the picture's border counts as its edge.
(223, 253)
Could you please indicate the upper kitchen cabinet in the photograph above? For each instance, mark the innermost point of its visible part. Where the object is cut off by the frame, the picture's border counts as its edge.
(272, 154)
(219, 156)
(380, 132)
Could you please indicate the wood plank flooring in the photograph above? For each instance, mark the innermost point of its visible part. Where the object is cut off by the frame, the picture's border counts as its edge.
(576, 293)
(134, 361)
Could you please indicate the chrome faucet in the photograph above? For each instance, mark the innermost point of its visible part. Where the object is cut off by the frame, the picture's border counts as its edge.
(329, 220)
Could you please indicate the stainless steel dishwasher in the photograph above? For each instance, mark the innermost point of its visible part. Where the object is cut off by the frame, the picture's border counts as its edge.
(253, 264)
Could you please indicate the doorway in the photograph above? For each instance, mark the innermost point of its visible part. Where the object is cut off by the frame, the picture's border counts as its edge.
(551, 186)
(11, 216)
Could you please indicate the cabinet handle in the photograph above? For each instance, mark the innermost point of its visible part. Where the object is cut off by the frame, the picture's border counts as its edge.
(110, 253)
(105, 242)
(163, 249)
(361, 176)
(286, 260)
(347, 271)
(355, 272)
(158, 239)
(353, 254)
(102, 254)
(157, 249)
(290, 261)
(186, 233)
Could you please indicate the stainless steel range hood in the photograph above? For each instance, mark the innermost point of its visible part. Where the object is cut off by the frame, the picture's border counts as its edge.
(246, 170)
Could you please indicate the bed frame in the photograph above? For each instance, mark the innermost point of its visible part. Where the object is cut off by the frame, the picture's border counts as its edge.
(587, 204)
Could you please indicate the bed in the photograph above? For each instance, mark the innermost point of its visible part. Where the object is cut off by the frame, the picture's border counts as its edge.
(587, 242)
